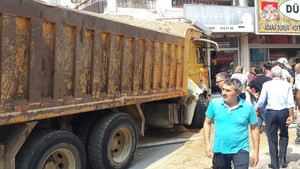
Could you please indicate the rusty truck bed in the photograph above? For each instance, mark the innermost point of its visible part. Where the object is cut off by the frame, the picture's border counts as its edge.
(56, 61)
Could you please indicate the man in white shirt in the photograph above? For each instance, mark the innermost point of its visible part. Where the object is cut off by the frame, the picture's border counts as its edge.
(238, 74)
(278, 95)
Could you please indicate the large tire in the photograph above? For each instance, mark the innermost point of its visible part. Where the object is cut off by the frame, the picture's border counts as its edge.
(199, 114)
(52, 150)
(84, 128)
(112, 142)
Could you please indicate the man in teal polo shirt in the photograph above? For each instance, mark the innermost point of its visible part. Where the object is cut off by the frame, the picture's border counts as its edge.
(231, 116)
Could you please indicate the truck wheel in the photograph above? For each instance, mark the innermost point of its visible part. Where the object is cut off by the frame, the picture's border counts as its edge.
(52, 150)
(113, 141)
(83, 130)
(199, 114)
(84, 127)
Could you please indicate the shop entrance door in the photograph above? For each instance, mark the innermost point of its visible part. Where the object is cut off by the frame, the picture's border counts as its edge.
(222, 61)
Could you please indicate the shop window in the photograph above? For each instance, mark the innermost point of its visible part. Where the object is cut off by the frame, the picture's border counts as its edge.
(146, 4)
(290, 54)
(222, 61)
(270, 39)
(226, 42)
(297, 39)
(258, 56)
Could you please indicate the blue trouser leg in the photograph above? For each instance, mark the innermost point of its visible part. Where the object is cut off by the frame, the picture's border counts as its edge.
(223, 161)
(263, 111)
(284, 135)
(241, 160)
(260, 121)
(275, 119)
(272, 128)
(263, 117)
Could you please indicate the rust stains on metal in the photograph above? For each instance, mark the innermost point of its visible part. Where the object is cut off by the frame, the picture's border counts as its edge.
(82, 63)
(14, 51)
(18, 119)
(84, 56)
(21, 57)
(47, 46)
(43, 113)
(68, 60)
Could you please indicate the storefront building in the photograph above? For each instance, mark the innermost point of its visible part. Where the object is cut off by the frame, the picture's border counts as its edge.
(272, 47)
(276, 32)
(231, 26)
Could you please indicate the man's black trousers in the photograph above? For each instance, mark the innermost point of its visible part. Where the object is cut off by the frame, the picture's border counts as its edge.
(276, 119)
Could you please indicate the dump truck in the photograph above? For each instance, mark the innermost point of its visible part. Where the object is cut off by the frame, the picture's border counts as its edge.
(77, 89)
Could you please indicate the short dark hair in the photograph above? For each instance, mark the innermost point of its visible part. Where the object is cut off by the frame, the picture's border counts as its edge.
(236, 82)
(268, 65)
(258, 70)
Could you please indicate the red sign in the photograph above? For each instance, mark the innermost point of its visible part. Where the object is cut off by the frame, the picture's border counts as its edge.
(224, 57)
(269, 10)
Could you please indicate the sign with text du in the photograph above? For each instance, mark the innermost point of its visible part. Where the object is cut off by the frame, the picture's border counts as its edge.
(277, 17)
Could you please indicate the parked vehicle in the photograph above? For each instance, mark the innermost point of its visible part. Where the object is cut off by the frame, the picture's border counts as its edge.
(77, 89)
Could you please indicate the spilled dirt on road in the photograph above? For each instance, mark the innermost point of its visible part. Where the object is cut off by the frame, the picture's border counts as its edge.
(192, 154)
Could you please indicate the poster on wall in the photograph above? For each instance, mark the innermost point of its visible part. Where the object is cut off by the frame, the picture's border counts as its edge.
(277, 17)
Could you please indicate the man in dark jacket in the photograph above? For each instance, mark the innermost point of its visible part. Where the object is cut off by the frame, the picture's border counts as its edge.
(257, 84)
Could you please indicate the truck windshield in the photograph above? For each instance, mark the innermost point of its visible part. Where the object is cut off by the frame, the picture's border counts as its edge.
(199, 56)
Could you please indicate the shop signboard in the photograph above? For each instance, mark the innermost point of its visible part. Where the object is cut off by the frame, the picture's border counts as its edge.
(277, 17)
(222, 18)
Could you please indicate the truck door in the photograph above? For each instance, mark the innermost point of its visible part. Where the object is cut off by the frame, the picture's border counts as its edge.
(198, 70)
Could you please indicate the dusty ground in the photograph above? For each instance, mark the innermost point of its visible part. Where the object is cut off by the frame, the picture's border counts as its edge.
(192, 154)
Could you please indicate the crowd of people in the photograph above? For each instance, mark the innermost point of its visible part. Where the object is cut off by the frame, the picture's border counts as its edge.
(265, 95)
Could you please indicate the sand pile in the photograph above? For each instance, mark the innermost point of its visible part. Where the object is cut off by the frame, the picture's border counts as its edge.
(175, 28)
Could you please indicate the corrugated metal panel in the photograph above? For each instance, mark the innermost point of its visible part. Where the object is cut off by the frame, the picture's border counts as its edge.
(56, 62)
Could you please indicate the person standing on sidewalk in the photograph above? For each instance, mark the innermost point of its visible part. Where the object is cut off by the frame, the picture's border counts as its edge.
(231, 116)
(267, 68)
(220, 78)
(257, 85)
(252, 74)
(285, 75)
(280, 102)
(297, 87)
(238, 74)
